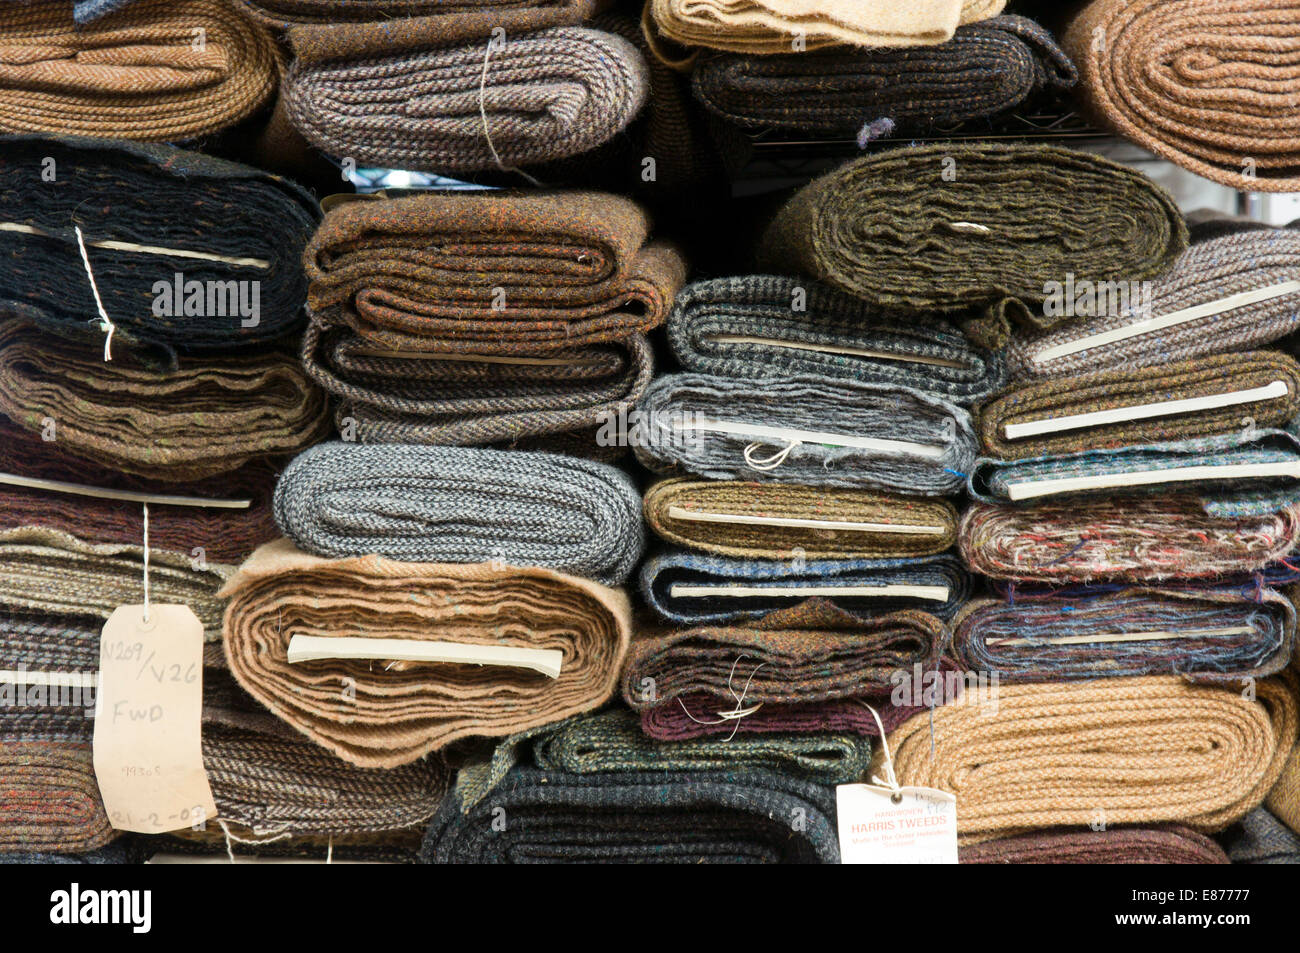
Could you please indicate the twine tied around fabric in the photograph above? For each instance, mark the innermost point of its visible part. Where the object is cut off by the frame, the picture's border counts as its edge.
(105, 322)
(496, 42)
(737, 713)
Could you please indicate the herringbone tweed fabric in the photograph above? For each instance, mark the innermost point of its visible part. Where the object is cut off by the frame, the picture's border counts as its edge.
(1167, 844)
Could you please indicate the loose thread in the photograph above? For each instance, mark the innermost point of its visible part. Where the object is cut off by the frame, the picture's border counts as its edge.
(772, 462)
(737, 713)
(482, 112)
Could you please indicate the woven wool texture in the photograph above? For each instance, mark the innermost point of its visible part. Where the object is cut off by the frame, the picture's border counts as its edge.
(1242, 258)
(917, 526)
(952, 226)
(740, 816)
(34, 641)
(49, 798)
(1168, 844)
(220, 221)
(1284, 799)
(986, 69)
(668, 438)
(135, 74)
(84, 11)
(333, 13)
(1209, 85)
(773, 326)
(987, 635)
(1142, 750)
(1127, 392)
(770, 26)
(661, 573)
(1121, 539)
(401, 711)
(1261, 839)
(453, 505)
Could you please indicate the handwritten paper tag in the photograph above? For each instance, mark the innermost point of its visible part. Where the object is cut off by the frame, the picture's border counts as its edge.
(147, 749)
(920, 829)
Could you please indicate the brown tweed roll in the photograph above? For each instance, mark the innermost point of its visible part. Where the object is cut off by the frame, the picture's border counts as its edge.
(1263, 386)
(159, 70)
(381, 715)
(49, 798)
(669, 505)
(1169, 844)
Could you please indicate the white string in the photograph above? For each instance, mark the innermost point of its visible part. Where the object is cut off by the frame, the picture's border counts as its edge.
(482, 112)
(146, 563)
(736, 713)
(772, 462)
(891, 780)
(105, 323)
(232, 839)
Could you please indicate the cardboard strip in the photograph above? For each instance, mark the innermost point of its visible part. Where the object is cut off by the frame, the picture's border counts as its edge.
(792, 436)
(131, 496)
(144, 249)
(1127, 636)
(679, 590)
(314, 648)
(1105, 481)
(835, 349)
(744, 519)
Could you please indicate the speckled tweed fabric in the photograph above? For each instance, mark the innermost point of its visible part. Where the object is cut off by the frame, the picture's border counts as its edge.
(661, 574)
(1044, 638)
(938, 443)
(333, 13)
(1284, 798)
(1166, 844)
(1056, 754)
(212, 416)
(771, 326)
(739, 816)
(947, 227)
(457, 505)
(1260, 838)
(1121, 538)
(136, 73)
(986, 69)
(1209, 85)
(1131, 393)
(84, 11)
(1220, 264)
(221, 221)
(901, 526)
(395, 713)
(49, 798)
(37, 641)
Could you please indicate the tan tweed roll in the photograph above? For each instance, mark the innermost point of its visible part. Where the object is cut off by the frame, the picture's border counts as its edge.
(1284, 799)
(383, 714)
(790, 501)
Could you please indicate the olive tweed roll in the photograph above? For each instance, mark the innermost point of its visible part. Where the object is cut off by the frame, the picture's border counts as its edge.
(392, 713)
(739, 816)
(773, 326)
(952, 226)
(688, 588)
(1197, 398)
(49, 798)
(454, 505)
(1166, 844)
(804, 430)
(784, 520)
(189, 253)
(986, 69)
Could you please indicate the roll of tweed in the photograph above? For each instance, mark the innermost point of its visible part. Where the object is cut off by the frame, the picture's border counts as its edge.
(1210, 86)
(1261, 839)
(1154, 405)
(771, 26)
(662, 575)
(986, 69)
(742, 816)
(682, 511)
(1142, 750)
(1121, 539)
(922, 443)
(393, 714)
(49, 798)
(41, 642)
(212, 416)
(1284, 798)
(152, 217)
(331, 13)
(1167, 844)
(1219, 265)
(1206, 635)
(613, 741)
(952, 226)
(137, 74)
(772, 326)
(453, 505)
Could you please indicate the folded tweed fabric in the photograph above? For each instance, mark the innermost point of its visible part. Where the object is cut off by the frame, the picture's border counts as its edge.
(1126, 750)
(688, 588)
(613, 741)
(952, 226)
(1209, 85)
(145, 72)
(771, 26)
(1167, 844)
(784, 520)
(1205, 635)
(986, 69)
(212, 416)
(53, 642)
(49, 798)
(742, 816)
(188, 252)
(1261, 839)
(810, 430)
(1121, 539)
(1193, 310)
(1124, 407)
(454, 505)
(384, 715)
(331, 13)
(773, 326)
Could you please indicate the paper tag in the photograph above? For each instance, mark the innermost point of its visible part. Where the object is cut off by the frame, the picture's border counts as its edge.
(920, 829)
(148, 750)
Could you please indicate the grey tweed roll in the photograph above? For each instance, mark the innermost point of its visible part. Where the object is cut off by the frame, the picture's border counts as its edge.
(462, 505)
